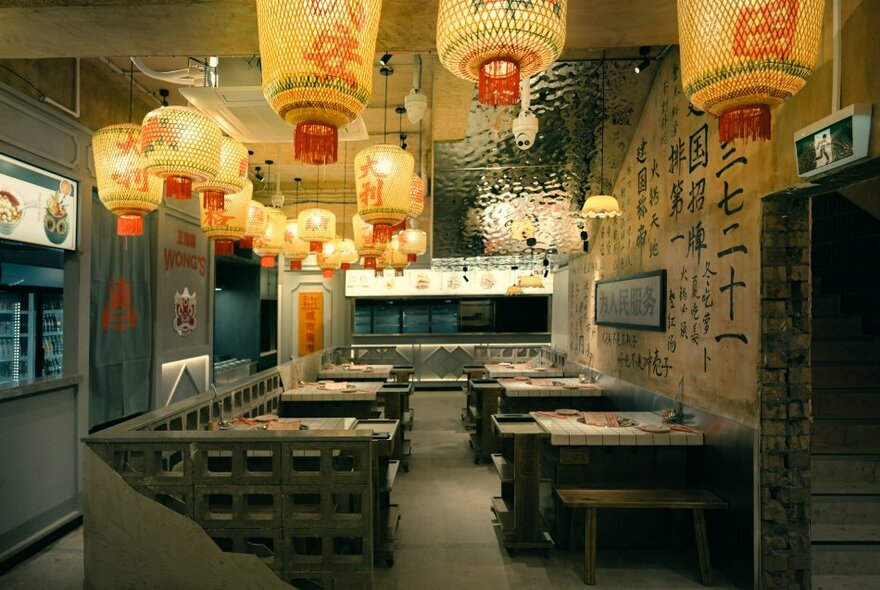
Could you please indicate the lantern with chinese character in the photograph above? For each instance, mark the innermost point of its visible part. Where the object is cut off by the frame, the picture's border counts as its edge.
(416, 197)
(317, 64)
(740, 58)
(124, 188)
(396, 259)
(316, 226)
(413, 243)
(365, 241)
(255, 227)
(271, 243)
(228, 225)
(495, 43)
(181, 145)
(383, 177)
(295, 250)
(230, 177)
(328, 259)
(381, 263)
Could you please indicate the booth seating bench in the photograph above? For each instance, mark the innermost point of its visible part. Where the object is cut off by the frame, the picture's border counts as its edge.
(685, 499)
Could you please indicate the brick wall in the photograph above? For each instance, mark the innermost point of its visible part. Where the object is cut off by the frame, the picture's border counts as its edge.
(785, 394)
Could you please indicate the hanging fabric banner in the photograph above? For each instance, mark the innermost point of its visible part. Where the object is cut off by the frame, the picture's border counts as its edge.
(311, 322)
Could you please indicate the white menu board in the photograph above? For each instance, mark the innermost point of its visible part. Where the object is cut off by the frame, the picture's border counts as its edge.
(37, 206)
(432, 283)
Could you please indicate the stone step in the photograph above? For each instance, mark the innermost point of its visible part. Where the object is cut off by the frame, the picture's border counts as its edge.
(854, 437)
(843, 509)
(843, 560)
(844, 582)
(846, 404)
(854, 350)
(846, 474)
(837, 327)
(826, 306)
(845, 533)
(846, 376)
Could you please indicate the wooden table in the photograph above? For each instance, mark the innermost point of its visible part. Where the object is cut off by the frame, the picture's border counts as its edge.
(522, 395)
(470, 373)
(485, 394)
(316, 400)
(500, 370)
(350, 372)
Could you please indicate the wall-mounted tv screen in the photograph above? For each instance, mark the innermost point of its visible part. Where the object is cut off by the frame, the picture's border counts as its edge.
(37, 206)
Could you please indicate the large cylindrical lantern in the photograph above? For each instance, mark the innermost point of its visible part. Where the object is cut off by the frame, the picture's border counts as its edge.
(124, 187)
(231, 174)
(416, 197)
(396, 259)
(413, 243)
(226, 226)
(740, 58)
(271, 243)
(365, 241)
(257, 219)
(497, 43)
(181, 145)
(295, 249)
(316, 226)
(383, 177)
(317, 63)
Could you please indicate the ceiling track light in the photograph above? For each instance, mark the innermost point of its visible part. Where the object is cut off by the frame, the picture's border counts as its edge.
(385, 69)
(646, 61)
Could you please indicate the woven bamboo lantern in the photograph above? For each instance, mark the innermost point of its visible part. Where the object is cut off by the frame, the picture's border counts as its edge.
(295, 250)
(497, 43)
(741, 58)
(381, 263)
(396, 259)
(413, 243)
(365, 241)
(316, 226)
(257, 219)
(230, 177)
(347, 251)
(125, 189)
(383, 177)
(317, 63)
(226, 226)
(181, 145)
(328, 259)
(416, 197)
(271, 243)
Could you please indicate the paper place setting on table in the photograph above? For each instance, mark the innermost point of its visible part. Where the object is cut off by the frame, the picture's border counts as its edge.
(336, 386)
(542, 382)
(606, 419)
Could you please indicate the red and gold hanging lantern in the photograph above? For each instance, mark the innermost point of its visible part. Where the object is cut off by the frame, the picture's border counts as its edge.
(741, 58)
(124, 187)
(181, 145)
(496, 43)
(365, 241)
(226, 226)
(396, 259)
(295, 249)
(255, 227)
(230, 177)
(413, 243)
(317, 63)
(383, 177)
(316, 226)
(416, 197)
(271, 243)
(328, 259)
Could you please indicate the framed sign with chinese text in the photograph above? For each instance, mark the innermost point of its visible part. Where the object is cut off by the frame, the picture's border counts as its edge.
(311, 322)
(635, 301)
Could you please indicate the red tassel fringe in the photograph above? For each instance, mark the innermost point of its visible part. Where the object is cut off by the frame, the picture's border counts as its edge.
(224, 248)
(296, 265)
(327, 274)
(750, 123)
(130, 225)
(267, 262)
(398, 272)
(316, 143)
(214, 201)
(178, 187)
(246, 243)
(499, 83)
(369, 262)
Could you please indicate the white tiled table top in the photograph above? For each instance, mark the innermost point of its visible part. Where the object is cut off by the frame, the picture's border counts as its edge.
(377, 372)
(312, 423)
(559, 387)
(364, 391)
(570, 432)
(496, 371)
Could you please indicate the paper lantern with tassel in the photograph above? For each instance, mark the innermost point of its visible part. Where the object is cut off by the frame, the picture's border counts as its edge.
(497, 43)
(257, 219)
(328, 259)
(124, 187)
(413, 243)
(317, 64)
(396, 259)
(181, 145)
(365, 241)
(271, 243)
(348, 253)
(416, 197)
(383, 177)
(226, 226)
(740, 58)
(230, 177)
(316, 226)
(295, 250)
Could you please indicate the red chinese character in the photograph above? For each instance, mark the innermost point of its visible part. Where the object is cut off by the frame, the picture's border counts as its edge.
(118, 314)
(371, 194)
(333, 51)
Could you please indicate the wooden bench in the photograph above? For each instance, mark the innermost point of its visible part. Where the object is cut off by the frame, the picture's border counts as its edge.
(591, 499)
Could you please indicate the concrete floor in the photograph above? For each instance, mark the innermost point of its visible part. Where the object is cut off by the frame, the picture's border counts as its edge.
(446, 539)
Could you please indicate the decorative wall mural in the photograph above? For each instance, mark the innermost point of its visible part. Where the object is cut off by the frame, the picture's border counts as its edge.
(184, 321)
(485, 184)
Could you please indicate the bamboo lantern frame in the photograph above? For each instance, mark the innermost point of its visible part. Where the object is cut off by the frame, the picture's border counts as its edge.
(295, 249)
(255, 227)
(226, 226)
(383, 178)
(413, 243)
(230, 177)
(271, 243)
(365, 241)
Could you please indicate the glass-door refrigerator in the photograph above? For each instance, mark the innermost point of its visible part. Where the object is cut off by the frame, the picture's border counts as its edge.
(31, 334)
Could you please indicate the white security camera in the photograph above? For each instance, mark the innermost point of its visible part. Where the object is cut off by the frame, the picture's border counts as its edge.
(416, 104)
(525, 130)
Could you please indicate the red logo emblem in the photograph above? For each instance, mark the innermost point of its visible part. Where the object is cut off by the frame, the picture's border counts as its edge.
(119, 315)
